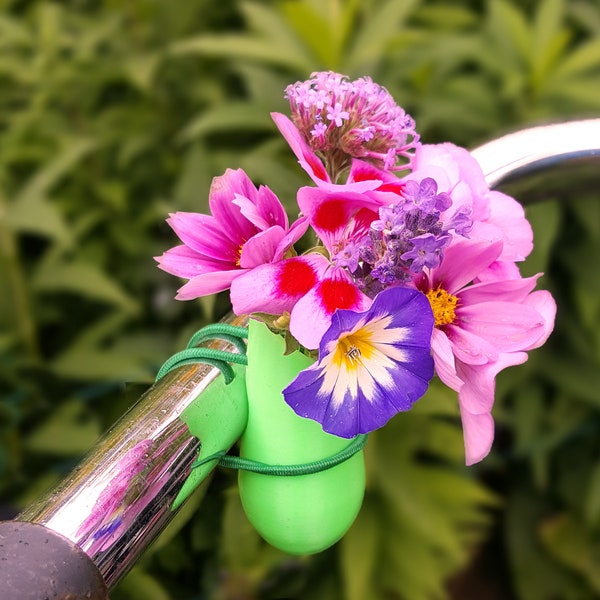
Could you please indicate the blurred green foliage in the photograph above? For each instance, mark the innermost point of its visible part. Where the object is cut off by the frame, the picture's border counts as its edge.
(113, 114)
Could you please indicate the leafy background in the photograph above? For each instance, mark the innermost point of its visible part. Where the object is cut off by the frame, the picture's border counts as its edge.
(112, 114)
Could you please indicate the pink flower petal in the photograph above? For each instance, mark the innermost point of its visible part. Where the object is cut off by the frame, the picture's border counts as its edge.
(478, 435)
(207, 283)
(543, 302)
(223, 191)
(295, 232)
(331, 214)
(476, 399)
(311, 316)
(308, 160)
(505, 326)
(508, 215)
(445, 366)
(509, 290)
(265, 212)
(204, 235)
(276, 287)
(469, 347)
(260, 248)
(463, 261)
(182, 261)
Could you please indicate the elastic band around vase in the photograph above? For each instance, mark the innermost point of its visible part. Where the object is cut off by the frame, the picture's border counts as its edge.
(231, 333)
(235, 462)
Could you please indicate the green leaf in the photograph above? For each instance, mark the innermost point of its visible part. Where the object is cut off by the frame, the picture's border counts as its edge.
(545, 219)
(241, 48)
(510, 31)
(376, 33)
(82, 363)
(70, 430)
(359, 554)
(51, 173)
(570, 542)
(140, 585)
(534, 574)
(231, 116)
(84, 279)
(36, 214)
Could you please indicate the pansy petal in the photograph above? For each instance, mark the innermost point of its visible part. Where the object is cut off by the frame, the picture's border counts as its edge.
(371, 366)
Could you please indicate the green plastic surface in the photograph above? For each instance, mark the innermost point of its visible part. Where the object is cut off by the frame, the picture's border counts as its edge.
(297, 514)
(217, 418)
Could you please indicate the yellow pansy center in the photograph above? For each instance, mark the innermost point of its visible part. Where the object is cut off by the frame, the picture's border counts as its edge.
(443, 306)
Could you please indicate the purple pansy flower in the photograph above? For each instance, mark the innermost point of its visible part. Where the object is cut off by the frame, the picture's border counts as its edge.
(371, 365)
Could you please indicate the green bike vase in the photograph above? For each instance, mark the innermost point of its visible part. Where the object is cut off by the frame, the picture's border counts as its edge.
(299, 514)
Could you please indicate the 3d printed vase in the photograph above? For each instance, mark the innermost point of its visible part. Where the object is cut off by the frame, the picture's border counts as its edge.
(299, 514)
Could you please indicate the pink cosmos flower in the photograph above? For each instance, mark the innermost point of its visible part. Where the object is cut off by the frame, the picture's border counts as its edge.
(248, 227)
(493, 213)
(481, 329)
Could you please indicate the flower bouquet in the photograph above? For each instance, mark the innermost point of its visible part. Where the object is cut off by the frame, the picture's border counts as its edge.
(413, 273)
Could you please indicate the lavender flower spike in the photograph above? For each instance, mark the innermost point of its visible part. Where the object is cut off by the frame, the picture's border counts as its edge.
(371, 365)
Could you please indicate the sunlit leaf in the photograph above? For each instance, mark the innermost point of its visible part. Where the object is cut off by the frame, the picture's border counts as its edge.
(83, 279)
(71, 430)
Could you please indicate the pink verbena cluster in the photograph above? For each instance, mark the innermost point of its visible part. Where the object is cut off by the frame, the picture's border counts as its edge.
(342, 119)
(412, 273)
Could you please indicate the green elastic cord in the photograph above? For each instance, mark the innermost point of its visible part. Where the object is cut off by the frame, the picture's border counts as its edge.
(235, 462)
(211, 356)
(230, 333)
(221, 359)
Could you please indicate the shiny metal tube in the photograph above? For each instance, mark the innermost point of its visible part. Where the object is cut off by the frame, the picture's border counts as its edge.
(545, 161)
(119, 499)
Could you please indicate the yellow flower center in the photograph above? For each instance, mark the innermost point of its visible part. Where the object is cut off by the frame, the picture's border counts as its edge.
(239, 255)
(352, 348)
(443, 306)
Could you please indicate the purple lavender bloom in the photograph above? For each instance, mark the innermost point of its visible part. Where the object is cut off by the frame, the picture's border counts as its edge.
(426, 252)
(371, 365)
